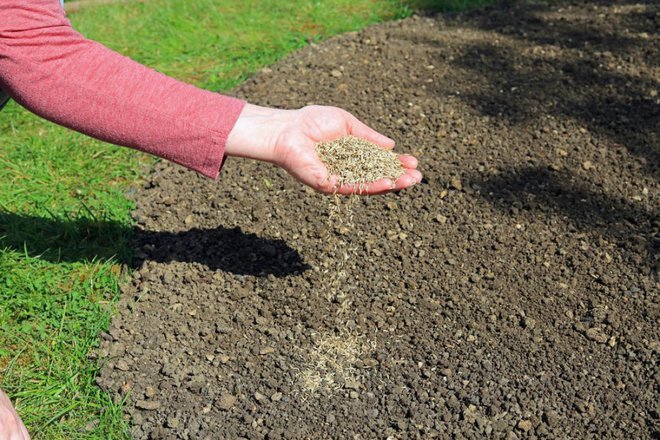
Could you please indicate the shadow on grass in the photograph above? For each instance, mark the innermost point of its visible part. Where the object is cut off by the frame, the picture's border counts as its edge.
(632, 227)
(83, 239)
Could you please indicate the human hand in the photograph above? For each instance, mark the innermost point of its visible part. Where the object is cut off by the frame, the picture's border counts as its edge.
(11, 426)
(288, 139)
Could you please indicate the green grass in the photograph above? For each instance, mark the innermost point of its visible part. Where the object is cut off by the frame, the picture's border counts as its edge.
(217, 43)
(64, 230)
(64, 217)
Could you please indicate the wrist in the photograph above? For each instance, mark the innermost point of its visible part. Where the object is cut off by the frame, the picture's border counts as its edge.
(255, 133)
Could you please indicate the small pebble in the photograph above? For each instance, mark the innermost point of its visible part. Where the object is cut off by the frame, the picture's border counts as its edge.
(226, 402)
(456, 184)
(524, 425)
(550, 417)
(147, 405)
(597, 335)
(529, 323)
(150, 392)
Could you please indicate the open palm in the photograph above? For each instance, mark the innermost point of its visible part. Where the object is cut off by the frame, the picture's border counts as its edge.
(288, 139)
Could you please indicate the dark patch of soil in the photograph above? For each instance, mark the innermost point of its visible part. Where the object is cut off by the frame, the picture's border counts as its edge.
(513, 294)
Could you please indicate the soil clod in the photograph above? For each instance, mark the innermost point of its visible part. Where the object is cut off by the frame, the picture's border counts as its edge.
(226, 402)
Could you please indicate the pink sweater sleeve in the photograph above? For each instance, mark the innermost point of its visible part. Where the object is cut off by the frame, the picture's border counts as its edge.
(58, 74)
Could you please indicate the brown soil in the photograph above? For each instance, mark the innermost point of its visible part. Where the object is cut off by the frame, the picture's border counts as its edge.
(513, 294)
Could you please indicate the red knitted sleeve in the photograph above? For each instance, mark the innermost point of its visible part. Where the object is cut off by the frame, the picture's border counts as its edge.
(58, 74)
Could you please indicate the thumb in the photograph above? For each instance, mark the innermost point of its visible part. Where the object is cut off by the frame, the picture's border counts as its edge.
(359, 129)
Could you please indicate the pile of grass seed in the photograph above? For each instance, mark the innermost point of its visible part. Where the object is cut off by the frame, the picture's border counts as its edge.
(358, 161)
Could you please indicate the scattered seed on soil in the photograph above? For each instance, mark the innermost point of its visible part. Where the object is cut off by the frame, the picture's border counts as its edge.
(331, 361)
(358, 161)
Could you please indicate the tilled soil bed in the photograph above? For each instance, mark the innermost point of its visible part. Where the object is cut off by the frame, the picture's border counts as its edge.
(512, 294)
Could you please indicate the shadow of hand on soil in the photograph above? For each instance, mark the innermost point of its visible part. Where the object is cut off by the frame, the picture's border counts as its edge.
(632, 227)
(229, 250)
(83, 239)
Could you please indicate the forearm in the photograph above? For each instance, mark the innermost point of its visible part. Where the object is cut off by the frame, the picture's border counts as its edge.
(11, 426)
(55, 72)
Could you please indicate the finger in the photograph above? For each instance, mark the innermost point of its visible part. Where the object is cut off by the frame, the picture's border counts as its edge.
(409, 178)
(382, 186)
(24, 431)
(414, 174)
(408, 161)
(405, 181)
(370, 190)
(327, 186)
(361, 130)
